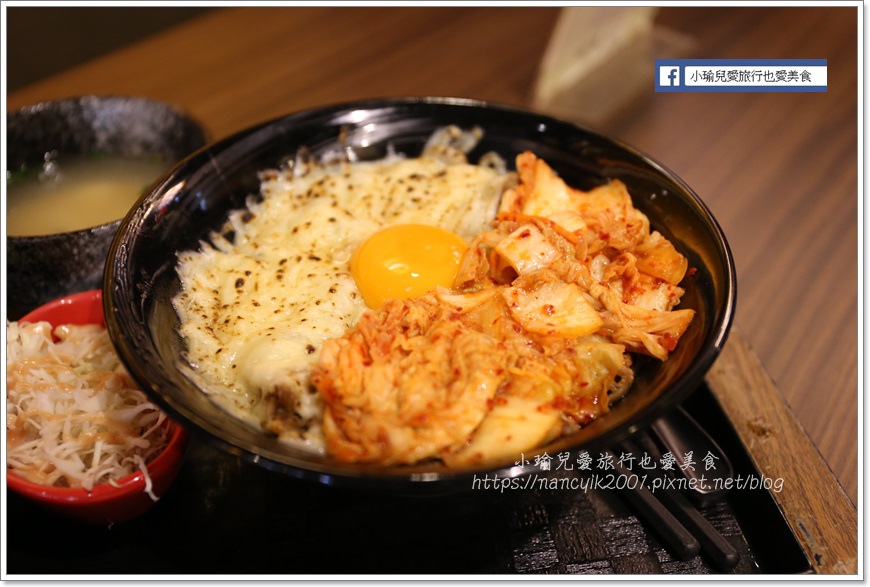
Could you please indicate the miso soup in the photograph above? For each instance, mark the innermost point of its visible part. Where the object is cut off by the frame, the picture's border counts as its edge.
(76, 193)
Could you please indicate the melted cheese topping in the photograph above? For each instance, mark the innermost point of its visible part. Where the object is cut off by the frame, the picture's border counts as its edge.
(255, 308)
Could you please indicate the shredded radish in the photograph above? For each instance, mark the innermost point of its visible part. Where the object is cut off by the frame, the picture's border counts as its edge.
(74, 417)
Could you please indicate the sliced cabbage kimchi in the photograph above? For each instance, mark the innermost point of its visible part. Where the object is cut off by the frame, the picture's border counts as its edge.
(533, 341)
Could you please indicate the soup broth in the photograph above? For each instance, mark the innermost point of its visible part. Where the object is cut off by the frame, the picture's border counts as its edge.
(78, 193)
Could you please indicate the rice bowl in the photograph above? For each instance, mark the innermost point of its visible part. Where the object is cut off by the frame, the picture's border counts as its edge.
(194, 200)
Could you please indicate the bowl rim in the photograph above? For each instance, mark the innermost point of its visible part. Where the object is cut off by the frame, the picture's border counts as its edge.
(133, 483)
(78, 299)
(388, 478)
(82, 232)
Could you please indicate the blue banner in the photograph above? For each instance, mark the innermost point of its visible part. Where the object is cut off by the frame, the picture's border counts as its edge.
(741, 75)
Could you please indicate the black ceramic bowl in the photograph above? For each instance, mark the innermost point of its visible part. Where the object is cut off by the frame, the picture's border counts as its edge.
(43, 268)
(195, 197)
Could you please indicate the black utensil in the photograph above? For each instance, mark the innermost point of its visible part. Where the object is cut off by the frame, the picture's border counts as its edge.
(679, 434)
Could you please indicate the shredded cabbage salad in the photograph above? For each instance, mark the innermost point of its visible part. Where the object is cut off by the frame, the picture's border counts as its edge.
(73, 415)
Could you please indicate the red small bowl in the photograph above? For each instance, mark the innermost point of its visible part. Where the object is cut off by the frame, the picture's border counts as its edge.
(105, 503)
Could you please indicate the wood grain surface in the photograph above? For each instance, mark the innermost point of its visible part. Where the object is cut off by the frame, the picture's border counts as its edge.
(778, 170)
(816, 508)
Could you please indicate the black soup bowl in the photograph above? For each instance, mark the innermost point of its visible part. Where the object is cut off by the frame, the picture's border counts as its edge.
(51, 265)
(195, 197)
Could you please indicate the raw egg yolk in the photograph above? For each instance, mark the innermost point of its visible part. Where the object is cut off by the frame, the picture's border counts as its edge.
(406, 261)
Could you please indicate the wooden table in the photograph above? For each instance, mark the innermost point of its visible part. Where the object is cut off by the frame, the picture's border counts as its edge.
(778, 170)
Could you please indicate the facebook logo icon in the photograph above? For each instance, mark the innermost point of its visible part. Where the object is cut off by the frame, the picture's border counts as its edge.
(669, 75)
